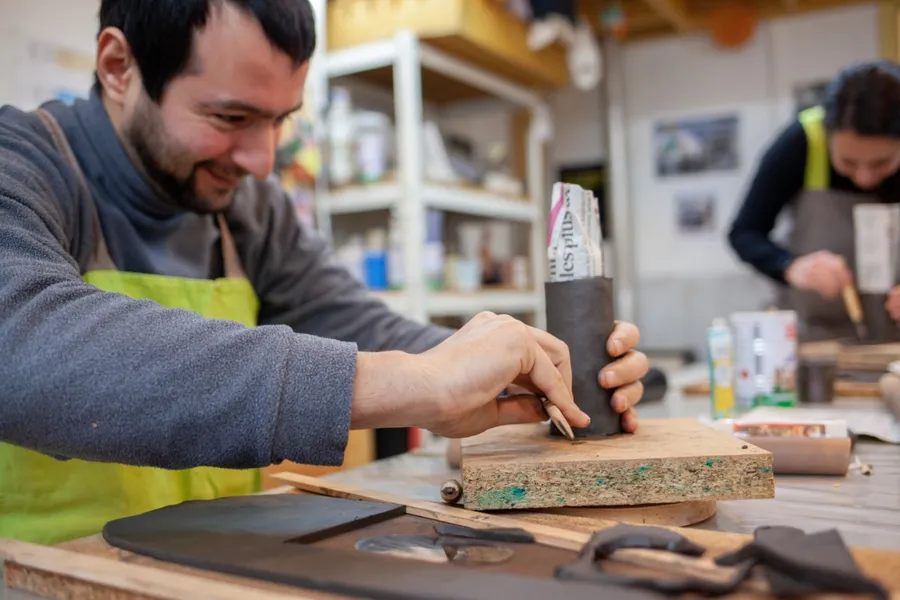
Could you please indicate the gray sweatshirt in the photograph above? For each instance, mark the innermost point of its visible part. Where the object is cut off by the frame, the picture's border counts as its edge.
(98, 376)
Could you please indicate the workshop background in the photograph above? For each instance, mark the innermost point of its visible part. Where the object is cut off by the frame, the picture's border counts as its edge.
(435, 130)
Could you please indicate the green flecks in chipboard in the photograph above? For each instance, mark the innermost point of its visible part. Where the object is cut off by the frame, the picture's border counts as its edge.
(561, 501)
(764, 470)
(504, 498)
(707, 490)
(640, 473)
(601, 481)
(711, 461)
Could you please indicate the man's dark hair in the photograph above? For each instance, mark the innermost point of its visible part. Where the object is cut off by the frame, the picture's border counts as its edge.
(161, 32)
(865, 98)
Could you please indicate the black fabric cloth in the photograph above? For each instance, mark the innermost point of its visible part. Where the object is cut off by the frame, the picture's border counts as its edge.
(798, 563)
(588, 567)
(793, 562)
(778, 180)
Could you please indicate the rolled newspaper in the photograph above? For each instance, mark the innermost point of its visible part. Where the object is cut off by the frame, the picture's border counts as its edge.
(574, 240)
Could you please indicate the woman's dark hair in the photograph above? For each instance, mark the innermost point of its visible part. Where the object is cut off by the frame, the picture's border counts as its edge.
(161, 32)
(865, 98)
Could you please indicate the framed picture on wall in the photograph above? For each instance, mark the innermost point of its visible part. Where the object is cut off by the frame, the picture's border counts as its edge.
(695, 213)
(699, 145)
(590, 177)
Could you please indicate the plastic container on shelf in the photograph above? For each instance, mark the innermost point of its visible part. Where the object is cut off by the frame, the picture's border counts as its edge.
(372, 131)
(341, 163)
(375, 261)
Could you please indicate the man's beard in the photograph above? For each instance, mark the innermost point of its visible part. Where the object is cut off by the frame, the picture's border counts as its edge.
(164, 162)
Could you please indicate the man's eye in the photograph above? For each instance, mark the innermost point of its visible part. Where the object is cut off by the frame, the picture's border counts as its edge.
(231, 119)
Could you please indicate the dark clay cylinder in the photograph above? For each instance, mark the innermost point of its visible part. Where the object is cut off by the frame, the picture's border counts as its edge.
(581, 313)
(880, 327)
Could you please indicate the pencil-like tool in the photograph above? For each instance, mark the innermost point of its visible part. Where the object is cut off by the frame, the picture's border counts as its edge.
(558, 419)
(854, 310)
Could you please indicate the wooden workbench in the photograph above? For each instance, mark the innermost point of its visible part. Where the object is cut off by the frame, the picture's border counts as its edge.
(865, 509)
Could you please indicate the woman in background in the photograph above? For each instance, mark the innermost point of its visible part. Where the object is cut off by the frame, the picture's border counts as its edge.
(833, 157)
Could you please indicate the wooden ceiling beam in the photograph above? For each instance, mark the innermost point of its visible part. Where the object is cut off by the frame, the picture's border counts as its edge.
(675, 12)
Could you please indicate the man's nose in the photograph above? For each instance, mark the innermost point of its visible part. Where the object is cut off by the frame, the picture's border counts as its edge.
(255, 152)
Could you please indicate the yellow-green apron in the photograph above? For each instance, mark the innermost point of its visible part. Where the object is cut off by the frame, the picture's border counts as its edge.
(45, 500)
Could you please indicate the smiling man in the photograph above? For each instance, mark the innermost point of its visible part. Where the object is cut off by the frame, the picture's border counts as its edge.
(167, 326)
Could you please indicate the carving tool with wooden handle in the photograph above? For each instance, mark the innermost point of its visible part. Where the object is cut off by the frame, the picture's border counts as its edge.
(558, 419)
(854, 310)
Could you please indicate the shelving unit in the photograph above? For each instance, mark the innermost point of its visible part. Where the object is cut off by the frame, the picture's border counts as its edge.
(411, 195)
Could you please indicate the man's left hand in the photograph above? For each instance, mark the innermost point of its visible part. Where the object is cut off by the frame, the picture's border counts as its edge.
(625, 372)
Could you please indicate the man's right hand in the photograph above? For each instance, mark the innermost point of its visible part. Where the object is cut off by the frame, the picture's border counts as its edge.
(453, 388)
(823, 272)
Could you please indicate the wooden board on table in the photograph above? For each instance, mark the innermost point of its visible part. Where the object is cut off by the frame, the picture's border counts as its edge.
(843, 388)
(875, 357)
(665, 461)
(90, 568)
(679, 514)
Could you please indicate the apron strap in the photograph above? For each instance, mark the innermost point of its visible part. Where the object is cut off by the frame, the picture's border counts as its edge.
(230, 259)
(100, 259)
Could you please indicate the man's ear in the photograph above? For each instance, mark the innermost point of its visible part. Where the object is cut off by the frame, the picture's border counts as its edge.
(116, 67)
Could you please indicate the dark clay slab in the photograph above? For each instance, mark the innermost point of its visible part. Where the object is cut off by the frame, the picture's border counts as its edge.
(256, 537)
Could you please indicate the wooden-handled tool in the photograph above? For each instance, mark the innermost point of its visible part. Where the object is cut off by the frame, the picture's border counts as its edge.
(854, 310)
(558, 419)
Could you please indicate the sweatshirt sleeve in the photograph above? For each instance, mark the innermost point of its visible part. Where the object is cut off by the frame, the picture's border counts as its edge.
(99, 376)
(778, 180)
(302, 286)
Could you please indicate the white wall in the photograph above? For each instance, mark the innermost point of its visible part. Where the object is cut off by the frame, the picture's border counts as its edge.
(579, 128)
(678, 278)
(680, 78)
(69, 23)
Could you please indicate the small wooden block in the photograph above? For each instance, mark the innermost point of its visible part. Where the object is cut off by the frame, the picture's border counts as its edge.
(667, 460)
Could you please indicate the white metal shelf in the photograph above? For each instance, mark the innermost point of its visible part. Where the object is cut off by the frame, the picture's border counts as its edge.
(465, 304)
(462, 304)
(380, 196)
(478, 202)
(409, 197)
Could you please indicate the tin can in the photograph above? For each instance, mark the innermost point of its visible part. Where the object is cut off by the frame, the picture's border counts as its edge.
(765, 358)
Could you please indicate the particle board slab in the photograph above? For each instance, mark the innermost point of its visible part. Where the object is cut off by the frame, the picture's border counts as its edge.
(843, 388)
(665, 461)
(875, 357)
